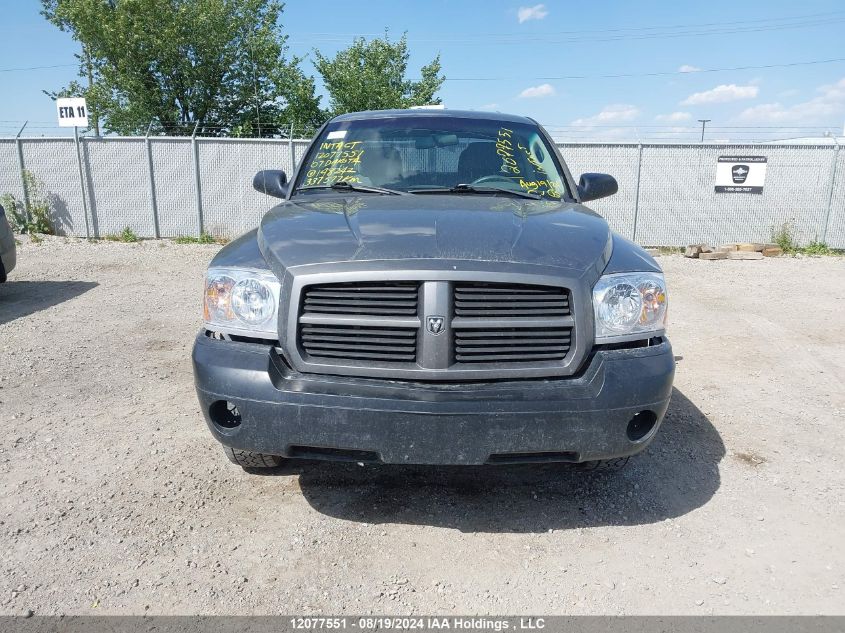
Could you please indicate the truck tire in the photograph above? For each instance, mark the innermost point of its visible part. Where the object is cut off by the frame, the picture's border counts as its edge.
(247, 459)
(617, 463)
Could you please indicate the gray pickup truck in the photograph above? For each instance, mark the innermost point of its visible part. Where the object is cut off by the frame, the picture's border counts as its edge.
(7, 246)
(432, 290)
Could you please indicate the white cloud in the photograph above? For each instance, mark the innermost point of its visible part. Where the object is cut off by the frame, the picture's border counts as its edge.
(722, 94)
(687, 68)
(489, 106)
(610, 114)
(824, 109)
(537, 12)
(543, 90)
(673, 117)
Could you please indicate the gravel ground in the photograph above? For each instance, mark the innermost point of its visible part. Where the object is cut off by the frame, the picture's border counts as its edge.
(114, 499)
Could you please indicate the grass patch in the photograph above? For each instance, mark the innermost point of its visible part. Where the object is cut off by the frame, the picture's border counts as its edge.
(783, 236)
(127, 235)
(817, 248)
(204, 238)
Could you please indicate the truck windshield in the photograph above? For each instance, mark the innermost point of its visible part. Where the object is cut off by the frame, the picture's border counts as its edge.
(419, 154)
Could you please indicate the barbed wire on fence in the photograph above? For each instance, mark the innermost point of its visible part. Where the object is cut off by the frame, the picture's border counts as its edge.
(623, 132)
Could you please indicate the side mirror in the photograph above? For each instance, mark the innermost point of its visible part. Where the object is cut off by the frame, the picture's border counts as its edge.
(273, 182)
(595, 186)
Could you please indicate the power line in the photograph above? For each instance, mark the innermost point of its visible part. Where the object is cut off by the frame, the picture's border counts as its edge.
(521, 36)
(585, 36)
(651, 74)
(11, 70)
(573, 77)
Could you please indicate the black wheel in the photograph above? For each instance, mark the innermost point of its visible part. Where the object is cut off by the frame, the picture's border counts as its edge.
(248, 459)
(617, 463)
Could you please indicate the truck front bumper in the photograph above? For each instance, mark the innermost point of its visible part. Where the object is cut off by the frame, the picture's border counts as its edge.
(612, 408)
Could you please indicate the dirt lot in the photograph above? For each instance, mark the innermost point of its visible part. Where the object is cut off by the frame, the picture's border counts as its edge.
(115, 499)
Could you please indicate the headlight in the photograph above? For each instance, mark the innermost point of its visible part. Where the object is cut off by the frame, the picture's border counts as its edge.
(241, 301)
(629, 305)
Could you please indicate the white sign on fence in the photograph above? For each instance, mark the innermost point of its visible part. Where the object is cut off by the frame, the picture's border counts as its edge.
(72, 112)
(740, 174)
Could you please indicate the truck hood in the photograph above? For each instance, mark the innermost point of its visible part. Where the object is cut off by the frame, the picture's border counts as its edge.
(440, 227)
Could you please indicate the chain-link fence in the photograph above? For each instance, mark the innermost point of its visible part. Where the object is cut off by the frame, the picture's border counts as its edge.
(177, 186)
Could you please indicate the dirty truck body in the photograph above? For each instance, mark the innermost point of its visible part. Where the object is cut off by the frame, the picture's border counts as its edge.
(8, 253)
(432, 290)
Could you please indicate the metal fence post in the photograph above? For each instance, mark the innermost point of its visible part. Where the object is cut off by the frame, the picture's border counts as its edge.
(290, 151)
(830, 189)
(637, 194)
(197, 178)
(153, 201)
(19, 147)
(81, 182)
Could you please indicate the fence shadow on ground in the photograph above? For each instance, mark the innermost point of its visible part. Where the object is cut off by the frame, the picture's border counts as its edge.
(22, 298)
(677, 474)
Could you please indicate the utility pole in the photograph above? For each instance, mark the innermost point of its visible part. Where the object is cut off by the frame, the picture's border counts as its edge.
(703, 123)
(95, 118)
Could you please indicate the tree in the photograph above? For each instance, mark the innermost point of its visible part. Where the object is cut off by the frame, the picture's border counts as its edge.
(371, 76)
(217, 63)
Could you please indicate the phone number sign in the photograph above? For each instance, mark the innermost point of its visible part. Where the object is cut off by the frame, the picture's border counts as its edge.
(740, 174)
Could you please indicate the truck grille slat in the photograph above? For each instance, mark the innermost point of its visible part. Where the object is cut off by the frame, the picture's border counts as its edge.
(344, 331)
(493, 358)
(344, 354)
(529, 336)
(316, 347)
(363, 309)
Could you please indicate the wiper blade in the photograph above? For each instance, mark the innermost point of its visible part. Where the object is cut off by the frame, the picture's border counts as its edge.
(343, 185)
(462, 188)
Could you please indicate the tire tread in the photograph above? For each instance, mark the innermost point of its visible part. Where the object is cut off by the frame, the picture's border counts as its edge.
(248, 459)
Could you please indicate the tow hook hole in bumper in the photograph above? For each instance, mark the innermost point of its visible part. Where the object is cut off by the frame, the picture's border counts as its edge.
(225, 414)
(333, 454)
(641, 425)
(533, 458)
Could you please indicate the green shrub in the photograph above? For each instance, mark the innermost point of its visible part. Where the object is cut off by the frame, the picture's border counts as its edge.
(39, 205)
(127, 235)
(783, 236)
(817, 248)
(38, 220)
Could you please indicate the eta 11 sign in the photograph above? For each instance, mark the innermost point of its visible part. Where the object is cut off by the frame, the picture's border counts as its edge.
(72, 112)
(740, 174)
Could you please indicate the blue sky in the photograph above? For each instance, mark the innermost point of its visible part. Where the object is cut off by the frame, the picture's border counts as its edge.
(528, 47)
